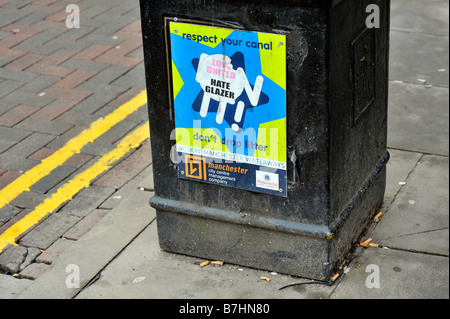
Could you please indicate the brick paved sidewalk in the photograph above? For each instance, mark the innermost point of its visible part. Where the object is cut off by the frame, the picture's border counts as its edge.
(54, 82)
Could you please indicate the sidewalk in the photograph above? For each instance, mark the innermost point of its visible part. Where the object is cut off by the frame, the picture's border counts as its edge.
(119, 256)
(55, 83)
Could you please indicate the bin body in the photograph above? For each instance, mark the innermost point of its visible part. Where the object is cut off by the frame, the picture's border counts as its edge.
(335, 91)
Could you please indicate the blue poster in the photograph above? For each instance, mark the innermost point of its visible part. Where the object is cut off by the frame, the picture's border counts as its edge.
(229, 91)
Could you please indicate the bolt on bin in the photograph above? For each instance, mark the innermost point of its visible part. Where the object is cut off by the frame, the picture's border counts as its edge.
(268, 128)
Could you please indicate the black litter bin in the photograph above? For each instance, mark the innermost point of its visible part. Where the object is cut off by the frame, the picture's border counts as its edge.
(268, 128)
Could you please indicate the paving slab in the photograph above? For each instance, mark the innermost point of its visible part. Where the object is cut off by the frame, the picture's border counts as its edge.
(143, 271)
(400, 165)
(12, 258)
(418, 118)
(56, 249)
(402, 275)
(417, 56)
(10, 286)
(16, 163)
(8, 211)
(418, 218)
(5, 144)
(51, 180)
(47, 232)
(34, 271)
(17, 114)
(420, 16)
(31, 144)
(33, 253)
(141, 181)
(95, 249)
(29, 199)
(81, 228)
(13, 134)
(87, 201)
(126, 170)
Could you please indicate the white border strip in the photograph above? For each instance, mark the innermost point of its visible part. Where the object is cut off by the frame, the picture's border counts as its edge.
(231, 157)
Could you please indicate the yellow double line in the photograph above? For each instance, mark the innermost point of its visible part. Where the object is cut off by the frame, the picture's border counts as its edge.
(82, 180)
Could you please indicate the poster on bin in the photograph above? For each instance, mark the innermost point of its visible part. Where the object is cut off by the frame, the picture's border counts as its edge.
(229, 95)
